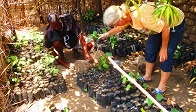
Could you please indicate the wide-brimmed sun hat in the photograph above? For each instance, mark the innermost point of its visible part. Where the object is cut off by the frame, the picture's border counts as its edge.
(112, 15)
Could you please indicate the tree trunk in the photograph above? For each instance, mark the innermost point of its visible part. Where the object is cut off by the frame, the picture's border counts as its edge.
(78, 8)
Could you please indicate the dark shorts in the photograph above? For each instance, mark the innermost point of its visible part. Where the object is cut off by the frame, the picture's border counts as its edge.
(154, 42)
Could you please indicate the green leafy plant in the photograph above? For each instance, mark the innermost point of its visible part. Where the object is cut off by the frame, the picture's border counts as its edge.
(13, 60)
(15, 80)
(178, 53)
(159, 97)
(103, 63)
(193, 75)
(85, 90)
(166, 11)
(113, 41)
(149, 102)
(88, 15)
(94, 35)
(174, 110)
(66, 110)
(128, 87)
(53, 70)
(142, 109)
(135, 3)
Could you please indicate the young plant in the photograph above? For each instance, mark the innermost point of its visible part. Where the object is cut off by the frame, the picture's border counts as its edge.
(103, 63)
(94, 35)
(88, 15)
(178, 53)
(165, 10)
(113, 41)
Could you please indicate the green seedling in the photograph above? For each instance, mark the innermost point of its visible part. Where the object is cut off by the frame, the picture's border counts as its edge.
(145, 85)
(66, 110)
(159, 97)
(53, 70)
(15, 80)
(178, 53)
(142, 109)
(149, 102)
(124, 80)
(174, 110)
(103, 64)
(131, 74)
(113, 41)
(128, 87)
(94, 35)
(85, 90)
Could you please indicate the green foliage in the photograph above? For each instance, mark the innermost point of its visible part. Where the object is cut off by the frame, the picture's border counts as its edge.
(108, 54)
(174, 110)
(138, 76)
(149, 102)
(193, 75)
(103, 64)
(37, 48)
(47, 59)
(159, 97)
(13, 60)
(94, 35)
(128, 87)
(104, 30)
(85, 90)
(145, 85)
(113, 41)
(124, 80)
(130, 2)
(66, 110)
(166, 11)
(131, 74)
(178, 53)
(15, 80)
(88, 15)
(142, 109)
(53, 70)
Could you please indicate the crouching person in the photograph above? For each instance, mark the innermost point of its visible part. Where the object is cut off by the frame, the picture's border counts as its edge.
(63, 32)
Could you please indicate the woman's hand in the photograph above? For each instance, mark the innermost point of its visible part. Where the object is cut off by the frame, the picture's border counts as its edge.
(103, 36)
(163, 55)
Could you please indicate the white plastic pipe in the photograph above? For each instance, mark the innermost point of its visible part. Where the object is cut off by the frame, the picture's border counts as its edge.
(136, 84)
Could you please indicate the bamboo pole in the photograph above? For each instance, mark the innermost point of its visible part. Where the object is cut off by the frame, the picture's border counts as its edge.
(136, 84)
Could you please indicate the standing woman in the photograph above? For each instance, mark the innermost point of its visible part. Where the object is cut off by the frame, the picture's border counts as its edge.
(162, 39)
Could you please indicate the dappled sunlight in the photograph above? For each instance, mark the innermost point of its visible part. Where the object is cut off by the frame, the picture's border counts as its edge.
(177, 88)
(77, 93)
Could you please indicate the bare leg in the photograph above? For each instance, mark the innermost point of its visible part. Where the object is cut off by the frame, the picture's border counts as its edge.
(149, 70)
(59, 48)
(85, 49)
(164, 78)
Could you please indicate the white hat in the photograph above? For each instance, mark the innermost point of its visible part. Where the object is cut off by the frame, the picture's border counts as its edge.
(112, 15)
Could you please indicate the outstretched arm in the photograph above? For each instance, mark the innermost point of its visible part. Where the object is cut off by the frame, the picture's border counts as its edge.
(165, 39)
(113, 31)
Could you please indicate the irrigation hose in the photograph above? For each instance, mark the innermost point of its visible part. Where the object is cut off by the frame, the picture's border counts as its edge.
(136, 84)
